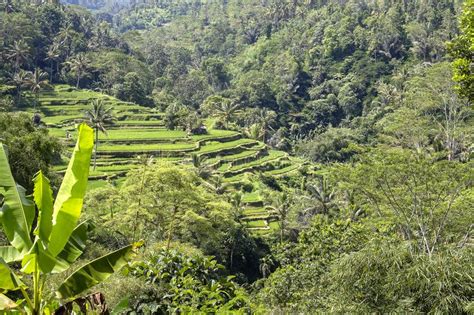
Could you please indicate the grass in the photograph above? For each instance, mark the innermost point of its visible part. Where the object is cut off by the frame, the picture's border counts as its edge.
(95, 184)
(251, 197)
(219, 146)
(142, 116)
(132, 134)
(139, 123)
(274, 225)
(234, 179)
(233, 157)
(256, 224)
(284, 170)
(272, 155)
(60, 118)
(214, 134)
(113, 168)
(255, 211)
(78, 107)
(147, 147)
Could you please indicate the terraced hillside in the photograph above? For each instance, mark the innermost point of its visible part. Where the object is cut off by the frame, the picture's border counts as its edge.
(140, 130)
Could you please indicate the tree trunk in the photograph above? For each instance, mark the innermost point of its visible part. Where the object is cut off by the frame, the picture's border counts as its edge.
(282, 228)
(18, 92)
(96, 145)
(78, 79)
(36, 101)
(51, 72)
(232, 255)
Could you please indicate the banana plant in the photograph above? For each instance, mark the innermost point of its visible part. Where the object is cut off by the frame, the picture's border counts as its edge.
(46, 237)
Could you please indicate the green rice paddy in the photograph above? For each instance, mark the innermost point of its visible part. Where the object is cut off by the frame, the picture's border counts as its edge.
(140, 130)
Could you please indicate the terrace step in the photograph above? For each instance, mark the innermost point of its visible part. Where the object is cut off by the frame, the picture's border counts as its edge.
(266, 165)
(244, 157)
(136, 126)
(140, 116)
(284, 170)
(238, 148)
(156, 153)
(266, 217)
(253, 203)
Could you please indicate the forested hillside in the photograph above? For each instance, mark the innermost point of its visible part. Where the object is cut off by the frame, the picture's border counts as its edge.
(236, 155)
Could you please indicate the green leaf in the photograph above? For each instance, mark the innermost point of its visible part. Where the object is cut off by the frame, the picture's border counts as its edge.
(9, 254)
(76, 243)
(122, 306)
(43, 197)
(39, 256)
(94, 272)
(8, 280)
(68, 203)
(17, 212)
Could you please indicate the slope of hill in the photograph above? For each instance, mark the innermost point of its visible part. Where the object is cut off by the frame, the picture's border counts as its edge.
(140, 131)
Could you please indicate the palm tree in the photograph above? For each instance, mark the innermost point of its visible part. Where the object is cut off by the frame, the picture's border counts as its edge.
(79, 64)
(265, 266)
(281, 204)
(203, 170)
(35, 81)
(266, 118)
(98, 117)
(19, 79)
(18, 52)
(322, 193)
(65, 36)
(254, 131)
(52, 55)
(237, 205)
(215, 184)
(225, 111)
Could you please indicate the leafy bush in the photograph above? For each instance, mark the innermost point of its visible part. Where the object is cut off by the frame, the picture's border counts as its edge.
(185, 284)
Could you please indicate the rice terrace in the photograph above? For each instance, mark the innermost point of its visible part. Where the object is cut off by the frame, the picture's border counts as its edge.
(140, 131)
(236, 157)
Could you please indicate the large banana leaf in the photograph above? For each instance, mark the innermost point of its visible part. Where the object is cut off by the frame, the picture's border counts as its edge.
(8, 279)
(6, 303)
(94, 272)
(68, 203)
(40, 257)
(43, 196)
(9, 254)
(77, 243)
(17, 212)
(46, 262)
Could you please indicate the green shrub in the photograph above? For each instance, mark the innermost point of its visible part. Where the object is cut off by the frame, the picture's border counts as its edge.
(183, 283)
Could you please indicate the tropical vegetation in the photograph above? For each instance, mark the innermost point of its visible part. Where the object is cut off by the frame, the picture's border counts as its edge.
(248, 156)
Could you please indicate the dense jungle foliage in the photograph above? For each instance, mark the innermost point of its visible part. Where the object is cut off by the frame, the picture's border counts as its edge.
(268, 156)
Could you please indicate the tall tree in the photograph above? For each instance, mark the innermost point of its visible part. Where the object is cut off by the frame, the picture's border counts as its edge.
(65, 37)
(321, 195)
(462, 49)
(281, 204)
(52, 55)
(79, 64)
(99, 117)
(225, 111)
(18, 53)
(19, 79)
(36, 81)
(203, 170)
